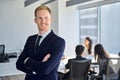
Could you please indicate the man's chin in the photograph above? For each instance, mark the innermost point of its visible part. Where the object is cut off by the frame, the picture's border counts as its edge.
(44, 30)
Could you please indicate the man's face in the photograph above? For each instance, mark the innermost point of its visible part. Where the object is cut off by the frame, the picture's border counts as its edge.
(43, 20)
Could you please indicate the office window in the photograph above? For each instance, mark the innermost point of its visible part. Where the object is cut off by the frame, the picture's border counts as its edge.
(102, 24)
(89, 24)
(110, 27)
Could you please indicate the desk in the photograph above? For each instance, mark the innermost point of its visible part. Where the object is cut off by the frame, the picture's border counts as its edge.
(61, 67)
(63, 62)
(9, 68)
(114, 56)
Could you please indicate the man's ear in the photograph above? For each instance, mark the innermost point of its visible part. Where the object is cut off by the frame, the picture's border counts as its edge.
(51, 19)
(35, 20)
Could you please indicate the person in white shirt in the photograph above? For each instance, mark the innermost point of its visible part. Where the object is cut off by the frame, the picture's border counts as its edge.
(88, 51)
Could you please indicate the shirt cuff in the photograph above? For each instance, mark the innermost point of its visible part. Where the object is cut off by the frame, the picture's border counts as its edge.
(26, 60)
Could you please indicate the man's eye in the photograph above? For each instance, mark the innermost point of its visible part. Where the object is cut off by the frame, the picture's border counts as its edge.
(39, 18)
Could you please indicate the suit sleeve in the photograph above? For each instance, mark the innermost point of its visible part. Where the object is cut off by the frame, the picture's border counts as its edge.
(57, 49)
(20, 62)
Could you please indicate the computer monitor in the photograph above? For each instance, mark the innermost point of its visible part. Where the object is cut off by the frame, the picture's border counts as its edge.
(2, 49)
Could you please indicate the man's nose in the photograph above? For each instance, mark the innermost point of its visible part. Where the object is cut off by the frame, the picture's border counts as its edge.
(43, 20)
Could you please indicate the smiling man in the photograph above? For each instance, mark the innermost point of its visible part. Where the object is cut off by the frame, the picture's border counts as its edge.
(40, 58)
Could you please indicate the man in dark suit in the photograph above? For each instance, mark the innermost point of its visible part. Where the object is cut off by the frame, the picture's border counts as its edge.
(42, 63)
(79, 51)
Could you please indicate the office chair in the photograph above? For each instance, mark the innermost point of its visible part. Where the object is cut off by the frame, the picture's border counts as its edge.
(113, 69)
(79, 70)
(109, 70)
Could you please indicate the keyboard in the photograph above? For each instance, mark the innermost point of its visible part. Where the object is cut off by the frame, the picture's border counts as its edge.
(12, 55)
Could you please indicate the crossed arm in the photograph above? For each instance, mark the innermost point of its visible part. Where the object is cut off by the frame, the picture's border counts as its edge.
(46, 57)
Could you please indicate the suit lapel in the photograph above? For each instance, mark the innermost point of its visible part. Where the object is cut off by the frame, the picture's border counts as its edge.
(45, 42)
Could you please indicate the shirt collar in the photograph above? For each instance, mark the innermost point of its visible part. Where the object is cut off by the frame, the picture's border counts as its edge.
(45, 34)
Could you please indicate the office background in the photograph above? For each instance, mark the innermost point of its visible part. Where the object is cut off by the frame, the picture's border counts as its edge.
(17, 23)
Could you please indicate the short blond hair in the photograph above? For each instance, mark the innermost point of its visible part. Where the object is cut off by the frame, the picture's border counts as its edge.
(42, 7)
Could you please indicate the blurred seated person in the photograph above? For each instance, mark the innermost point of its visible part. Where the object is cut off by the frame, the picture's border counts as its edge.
(79, 51)
(101, 56)
(100, 52)
(88, 51)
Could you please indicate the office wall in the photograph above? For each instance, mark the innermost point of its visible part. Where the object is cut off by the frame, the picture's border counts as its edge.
(17, 23)
(69, 26)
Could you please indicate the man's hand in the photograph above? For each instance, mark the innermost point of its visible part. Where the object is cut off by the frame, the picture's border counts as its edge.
(46, 57)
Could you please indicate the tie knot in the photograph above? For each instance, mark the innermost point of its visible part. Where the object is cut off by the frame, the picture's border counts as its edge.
(38, 40)
(39, 36)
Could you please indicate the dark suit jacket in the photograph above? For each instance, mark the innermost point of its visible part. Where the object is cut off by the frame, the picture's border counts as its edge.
(67, 66)
(44, 70)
